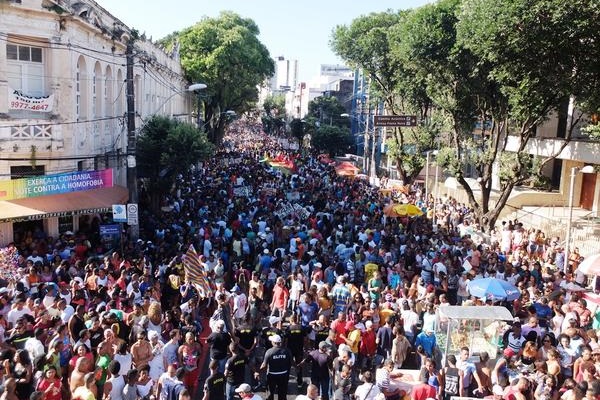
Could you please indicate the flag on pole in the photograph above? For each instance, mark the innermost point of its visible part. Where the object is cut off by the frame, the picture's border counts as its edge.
(194, 271)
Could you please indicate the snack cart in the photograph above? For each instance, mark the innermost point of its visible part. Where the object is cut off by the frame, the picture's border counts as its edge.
(477, 327)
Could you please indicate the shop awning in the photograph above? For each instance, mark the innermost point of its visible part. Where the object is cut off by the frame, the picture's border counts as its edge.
(62, 205)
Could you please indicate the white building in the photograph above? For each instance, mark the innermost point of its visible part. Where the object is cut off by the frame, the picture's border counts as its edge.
(63, 106)
(286, 75)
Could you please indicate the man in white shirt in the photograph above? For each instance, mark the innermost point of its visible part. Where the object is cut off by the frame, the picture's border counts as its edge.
(240, 304)
(34, 345)
(17, 312)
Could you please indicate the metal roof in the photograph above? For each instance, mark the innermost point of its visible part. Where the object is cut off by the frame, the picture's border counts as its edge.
(477, 312)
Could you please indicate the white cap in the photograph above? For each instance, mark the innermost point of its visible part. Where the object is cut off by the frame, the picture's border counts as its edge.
(243, 388)
(273, 320)
(275, 338)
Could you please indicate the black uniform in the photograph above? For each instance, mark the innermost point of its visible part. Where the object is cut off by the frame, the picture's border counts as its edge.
(321, 334)
(235, 369)
(279, 362)
(295, 342)
(215, 386)
(268, 332)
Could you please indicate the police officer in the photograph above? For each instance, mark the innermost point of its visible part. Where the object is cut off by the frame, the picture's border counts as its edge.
(214, 386)
(295, 342)
(235, 370)
(271, 330)
(277, 361)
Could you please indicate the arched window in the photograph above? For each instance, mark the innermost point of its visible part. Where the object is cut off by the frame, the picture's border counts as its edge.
(108, 93)
(81, 90)
(120, 95)
(97, 91)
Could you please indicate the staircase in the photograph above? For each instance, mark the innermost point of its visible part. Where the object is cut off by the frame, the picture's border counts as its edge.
(553, 221)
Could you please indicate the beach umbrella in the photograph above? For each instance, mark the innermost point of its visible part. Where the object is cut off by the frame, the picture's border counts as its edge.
(497, 289)
(402, 210)
(573, 287)
(590, 265)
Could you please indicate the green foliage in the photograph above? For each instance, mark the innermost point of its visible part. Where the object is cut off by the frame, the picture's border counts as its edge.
(297, 129)
(327, 111)
(167, 147)
(332, 139)
(225, 54)
(274, 105)
(370, 42)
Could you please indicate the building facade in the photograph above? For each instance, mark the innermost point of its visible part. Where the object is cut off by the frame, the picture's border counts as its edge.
(63, 108)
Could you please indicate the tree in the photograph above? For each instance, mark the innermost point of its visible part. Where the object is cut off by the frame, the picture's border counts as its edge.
(327, 110)
(297, 129)
(165, 149)
(506, 66)
(368, 43)
(274, 113)
(332, 139)
(225, 54)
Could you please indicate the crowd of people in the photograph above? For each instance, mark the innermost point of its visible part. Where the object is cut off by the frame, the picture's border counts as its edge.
(307, 275)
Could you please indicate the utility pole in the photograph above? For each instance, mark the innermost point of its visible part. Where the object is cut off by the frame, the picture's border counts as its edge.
(131, 138)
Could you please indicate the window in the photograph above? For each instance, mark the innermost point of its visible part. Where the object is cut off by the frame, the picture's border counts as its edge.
(25, 69)
(24, 171)
(78, 91)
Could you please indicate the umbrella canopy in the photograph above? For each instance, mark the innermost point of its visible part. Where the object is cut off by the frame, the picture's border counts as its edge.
(402, 210)
(573, 287)
(496, 289)
(590, 265)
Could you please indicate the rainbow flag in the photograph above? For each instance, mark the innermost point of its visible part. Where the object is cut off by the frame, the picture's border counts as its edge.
(282, 163)
(195, 272)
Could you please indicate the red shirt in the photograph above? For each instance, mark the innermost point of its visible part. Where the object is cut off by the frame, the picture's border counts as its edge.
(339, 327)
(280, 294)
(368, 347)
(423, 392)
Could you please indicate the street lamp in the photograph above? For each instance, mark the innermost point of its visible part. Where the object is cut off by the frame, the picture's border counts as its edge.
(435, 153)
(588, 169)
(428, 153)
(197, 87)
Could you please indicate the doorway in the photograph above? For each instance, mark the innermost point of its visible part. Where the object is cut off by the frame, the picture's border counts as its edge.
(27, 230)
(588, 189)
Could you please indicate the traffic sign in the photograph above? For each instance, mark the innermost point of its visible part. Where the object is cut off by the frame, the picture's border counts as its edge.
(119, 213)
(132, 214)
(395, 120)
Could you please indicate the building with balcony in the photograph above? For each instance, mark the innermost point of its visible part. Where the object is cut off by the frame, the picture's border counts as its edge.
(62, 111)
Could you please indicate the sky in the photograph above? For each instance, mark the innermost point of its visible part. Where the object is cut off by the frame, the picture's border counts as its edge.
(297, 30)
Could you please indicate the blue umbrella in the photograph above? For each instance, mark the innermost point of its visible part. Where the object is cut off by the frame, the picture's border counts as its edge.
(496, 289)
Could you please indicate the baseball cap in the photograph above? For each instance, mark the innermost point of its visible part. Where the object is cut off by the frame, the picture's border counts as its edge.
(275, 338)
(508, 352)
(274, 320)
(324, 345)
(243, 388)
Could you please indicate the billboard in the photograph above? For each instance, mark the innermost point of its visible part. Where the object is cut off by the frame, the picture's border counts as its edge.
(44, 185)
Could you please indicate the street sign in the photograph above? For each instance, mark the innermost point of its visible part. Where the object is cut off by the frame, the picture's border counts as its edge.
(395, 120)
(132, 214)
(119, 213)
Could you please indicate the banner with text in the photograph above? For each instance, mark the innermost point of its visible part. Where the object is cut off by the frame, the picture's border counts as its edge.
(45, 185)
(17, 100)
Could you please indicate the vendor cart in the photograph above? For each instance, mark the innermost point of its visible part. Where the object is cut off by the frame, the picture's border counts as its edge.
(477, 327)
